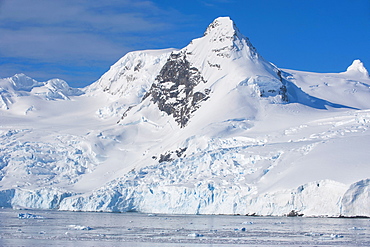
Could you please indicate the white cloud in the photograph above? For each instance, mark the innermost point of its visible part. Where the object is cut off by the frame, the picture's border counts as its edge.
(38, 28)
(79, 31)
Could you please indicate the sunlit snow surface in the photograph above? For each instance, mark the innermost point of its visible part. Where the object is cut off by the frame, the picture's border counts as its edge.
(57, 228)
(260, 140)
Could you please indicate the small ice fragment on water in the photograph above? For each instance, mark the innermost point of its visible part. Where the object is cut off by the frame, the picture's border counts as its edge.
(248, 223)
(313, 234)
(336, 236)
(42, 232)
(357, 228)
(29, 216)
(79, 227)
(195, 235)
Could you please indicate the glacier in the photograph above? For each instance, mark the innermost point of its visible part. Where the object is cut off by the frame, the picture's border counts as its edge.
(212, 128)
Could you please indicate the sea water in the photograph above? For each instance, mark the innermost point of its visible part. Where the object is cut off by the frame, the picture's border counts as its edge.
(57, 228)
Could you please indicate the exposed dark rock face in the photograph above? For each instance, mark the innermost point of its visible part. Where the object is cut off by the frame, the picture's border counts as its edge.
(125, 113)
(294, 213)
(174, 88)
(172, 155)
(284, 93)
(283, 89)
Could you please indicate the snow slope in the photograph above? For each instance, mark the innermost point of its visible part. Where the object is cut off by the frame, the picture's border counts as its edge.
(212, 128)
(128, 80)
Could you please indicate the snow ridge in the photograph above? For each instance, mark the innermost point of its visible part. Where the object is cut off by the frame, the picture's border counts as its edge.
(128, 80)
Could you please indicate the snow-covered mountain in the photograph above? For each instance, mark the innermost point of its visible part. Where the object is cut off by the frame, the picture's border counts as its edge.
(212, 128)
(21, 85)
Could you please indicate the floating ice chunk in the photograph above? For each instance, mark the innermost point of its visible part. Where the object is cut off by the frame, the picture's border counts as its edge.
(336, 236)
(29, 216)
(357, 228)
(79, 227)
(248, 223)
(313, 234)
(324, 236)
(242, 229)
(195, 235)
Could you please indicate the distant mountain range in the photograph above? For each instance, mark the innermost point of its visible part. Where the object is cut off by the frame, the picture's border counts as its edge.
(212, 128)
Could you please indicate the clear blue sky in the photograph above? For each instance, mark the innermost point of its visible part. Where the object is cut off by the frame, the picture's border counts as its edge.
(78, 40)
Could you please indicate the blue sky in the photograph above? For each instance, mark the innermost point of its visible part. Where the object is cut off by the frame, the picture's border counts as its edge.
(78, 40)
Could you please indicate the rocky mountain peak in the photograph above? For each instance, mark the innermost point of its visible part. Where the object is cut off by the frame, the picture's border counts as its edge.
(221, 24)
(223, 56)
(223, 34)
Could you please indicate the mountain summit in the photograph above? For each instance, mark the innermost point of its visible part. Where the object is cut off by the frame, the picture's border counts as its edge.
(222, 25)
(223, 29)
(212, 128)
(357, 67)
(208, 68)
